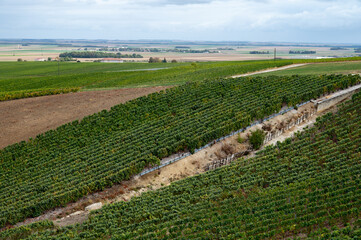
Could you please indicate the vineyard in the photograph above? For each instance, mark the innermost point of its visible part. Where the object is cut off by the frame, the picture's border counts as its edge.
(305, 187)
(82, 157)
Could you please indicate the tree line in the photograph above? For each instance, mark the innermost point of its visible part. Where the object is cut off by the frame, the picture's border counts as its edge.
(158, 60)
(301, 52)
(176, 50)
(259, 52)
(99, 55)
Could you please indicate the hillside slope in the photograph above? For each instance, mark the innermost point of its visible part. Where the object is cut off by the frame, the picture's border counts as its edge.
(307, 187)
(63, 165)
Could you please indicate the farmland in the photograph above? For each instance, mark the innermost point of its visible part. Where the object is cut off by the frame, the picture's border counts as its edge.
(29, 79)
(43, 69)
(42, 79)
(86, 156)
(306, 186)
(181, 51)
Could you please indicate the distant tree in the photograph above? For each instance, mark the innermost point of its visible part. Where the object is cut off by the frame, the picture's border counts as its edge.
(66, 59)
(174, 61)
(20, 60)
(49, 59)
(164, 60)
(154, 60)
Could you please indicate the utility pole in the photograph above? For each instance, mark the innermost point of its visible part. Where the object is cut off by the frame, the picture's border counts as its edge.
(274, 54)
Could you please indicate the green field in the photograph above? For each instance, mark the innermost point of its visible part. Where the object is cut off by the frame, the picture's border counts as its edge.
(10, 70)
(43, 78)
(307, 186)
(321, 68)
(38, 76)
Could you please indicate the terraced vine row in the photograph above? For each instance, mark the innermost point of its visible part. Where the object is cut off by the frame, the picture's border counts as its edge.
(79, 158)
(308, 186)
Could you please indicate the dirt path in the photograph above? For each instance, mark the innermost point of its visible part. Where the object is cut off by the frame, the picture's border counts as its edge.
(28, 117)
(270, 70)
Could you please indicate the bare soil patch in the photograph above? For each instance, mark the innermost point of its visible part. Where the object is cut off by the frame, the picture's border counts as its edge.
(25, 118)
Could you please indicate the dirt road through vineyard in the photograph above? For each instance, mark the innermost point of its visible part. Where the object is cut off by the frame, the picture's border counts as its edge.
(270, 70)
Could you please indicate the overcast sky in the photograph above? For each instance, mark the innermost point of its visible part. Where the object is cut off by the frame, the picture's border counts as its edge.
(318, 21)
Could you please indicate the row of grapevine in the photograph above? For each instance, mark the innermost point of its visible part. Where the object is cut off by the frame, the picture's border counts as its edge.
(4, 96)
(82, 157)
(307, 186)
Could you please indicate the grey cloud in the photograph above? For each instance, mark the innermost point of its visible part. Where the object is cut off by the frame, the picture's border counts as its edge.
(263, 20)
